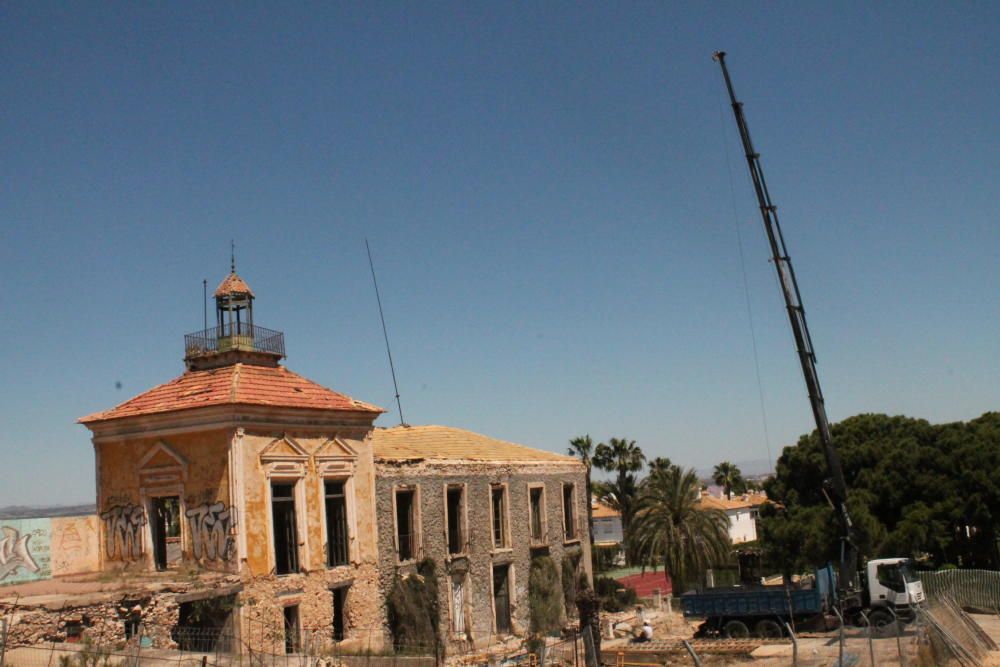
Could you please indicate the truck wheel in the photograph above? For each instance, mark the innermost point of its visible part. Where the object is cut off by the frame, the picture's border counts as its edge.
(735, 630)
(882, 622)
(767, 629)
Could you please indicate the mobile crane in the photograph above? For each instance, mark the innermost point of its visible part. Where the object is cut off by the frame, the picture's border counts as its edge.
(885, 583)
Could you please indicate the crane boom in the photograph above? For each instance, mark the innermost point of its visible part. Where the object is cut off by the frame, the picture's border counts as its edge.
(837, 493)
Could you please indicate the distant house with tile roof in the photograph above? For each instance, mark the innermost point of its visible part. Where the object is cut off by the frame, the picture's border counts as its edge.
(306, 513)
(742, 510)
(607, 525)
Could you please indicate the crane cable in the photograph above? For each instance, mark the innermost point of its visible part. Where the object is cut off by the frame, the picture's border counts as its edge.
(746, 290)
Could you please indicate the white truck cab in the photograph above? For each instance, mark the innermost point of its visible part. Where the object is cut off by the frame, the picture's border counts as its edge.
(893, 583)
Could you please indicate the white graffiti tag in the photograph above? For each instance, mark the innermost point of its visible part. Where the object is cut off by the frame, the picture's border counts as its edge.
(14, 552)
(210, 531)
(123, 532)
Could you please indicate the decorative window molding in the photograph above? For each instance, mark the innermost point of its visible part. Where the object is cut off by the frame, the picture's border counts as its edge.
(457, 544)
(408, 543)
(500, 521)
(538, 525)
(334, 458)
(352, 521)
(570, 518)
(283, 457)
(162, 465)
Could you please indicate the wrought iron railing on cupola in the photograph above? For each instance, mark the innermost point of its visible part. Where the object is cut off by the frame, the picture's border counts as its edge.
(233, 337)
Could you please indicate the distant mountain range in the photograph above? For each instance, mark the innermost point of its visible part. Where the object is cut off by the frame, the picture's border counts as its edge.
(751, 469)
(41, 511)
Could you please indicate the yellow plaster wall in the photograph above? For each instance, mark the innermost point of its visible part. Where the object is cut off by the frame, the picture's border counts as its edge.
(206, 480)
(75, 545)
(312, 553)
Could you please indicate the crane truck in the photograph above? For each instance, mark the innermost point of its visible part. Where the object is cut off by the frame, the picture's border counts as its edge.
(886, 588)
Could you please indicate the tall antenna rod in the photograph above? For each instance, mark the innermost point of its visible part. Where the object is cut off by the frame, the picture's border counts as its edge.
(385, 333)
(800, 330)
(204, 300)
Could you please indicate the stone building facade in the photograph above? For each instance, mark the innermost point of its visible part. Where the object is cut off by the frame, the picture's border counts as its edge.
(480, 508)
(241, 469)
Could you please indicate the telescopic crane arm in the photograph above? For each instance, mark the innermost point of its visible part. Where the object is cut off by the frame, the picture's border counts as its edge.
(837, 493)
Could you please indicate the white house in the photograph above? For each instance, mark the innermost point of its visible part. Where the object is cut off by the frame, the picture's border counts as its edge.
(607, 525)
(742, 511)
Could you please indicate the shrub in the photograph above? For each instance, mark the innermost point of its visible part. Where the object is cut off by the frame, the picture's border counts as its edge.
(414, 618)
(614, 596)
(544, 596)
(569, 584)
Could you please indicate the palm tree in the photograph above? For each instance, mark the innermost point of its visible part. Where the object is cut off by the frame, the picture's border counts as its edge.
(624, 458)
(728, 476)
(659, 465)
(582, 447)
(672, 527)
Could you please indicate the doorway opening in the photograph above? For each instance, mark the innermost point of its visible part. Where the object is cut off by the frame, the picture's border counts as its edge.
(166, 531)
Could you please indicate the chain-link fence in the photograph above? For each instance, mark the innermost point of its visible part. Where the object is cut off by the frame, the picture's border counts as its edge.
(266, 645)
(971, 589)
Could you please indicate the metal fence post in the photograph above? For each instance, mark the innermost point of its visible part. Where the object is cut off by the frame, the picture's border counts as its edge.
(871, 645)
(589, 650)
(3, 639)
(690, 650)
(840, 640)
(899, 635)
(795, 645)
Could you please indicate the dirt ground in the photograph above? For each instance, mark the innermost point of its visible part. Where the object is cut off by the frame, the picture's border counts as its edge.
(813, 649)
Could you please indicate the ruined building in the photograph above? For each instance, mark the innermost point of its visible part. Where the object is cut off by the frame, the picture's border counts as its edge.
(302, 515)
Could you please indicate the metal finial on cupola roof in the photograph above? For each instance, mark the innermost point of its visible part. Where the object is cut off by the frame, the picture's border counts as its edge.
(232, 256)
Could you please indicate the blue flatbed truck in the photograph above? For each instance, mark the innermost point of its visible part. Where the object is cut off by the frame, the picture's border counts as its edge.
(762, 611)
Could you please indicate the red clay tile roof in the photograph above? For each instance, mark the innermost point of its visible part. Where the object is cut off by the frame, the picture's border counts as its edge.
(233, 284)
(737, 502)
(238, 384)
(601, 511)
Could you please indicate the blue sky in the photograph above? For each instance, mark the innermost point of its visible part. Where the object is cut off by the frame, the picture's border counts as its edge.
(547, 193)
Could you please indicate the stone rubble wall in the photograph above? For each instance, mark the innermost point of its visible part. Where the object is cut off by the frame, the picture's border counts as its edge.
(432, 478)
(102, 616)
(264, 598)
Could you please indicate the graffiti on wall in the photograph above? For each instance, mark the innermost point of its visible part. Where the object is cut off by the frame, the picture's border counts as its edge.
(75, 544)
(210, 524)
(24, 550)
(123, 532)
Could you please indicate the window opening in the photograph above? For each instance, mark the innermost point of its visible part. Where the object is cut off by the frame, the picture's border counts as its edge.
(166, 531)
(405, 533)
(456, 536)
(286, 556)
(501, 598)
(499, 517)
(291, 628)
(336, 524)
(536, 513)
(339, 610)
(569, 511)
(132, 618)
(206, 626)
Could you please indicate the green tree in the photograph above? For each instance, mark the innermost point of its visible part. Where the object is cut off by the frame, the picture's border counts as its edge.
(672, 527)
(914, 489)
(582, 447)
(660, 464)
(624, 458)
(728, 476)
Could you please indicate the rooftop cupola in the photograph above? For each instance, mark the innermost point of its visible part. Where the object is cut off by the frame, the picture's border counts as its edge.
(235, 338)
(234, 306)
